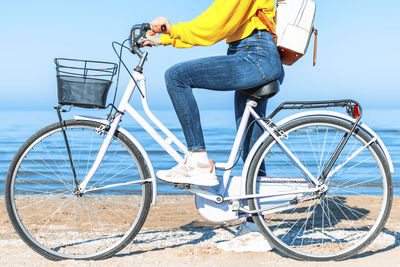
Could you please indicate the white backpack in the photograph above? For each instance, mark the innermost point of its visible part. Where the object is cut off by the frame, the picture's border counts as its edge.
(294, 27)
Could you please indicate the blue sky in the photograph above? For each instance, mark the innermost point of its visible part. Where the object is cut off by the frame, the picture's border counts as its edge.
(357, 50)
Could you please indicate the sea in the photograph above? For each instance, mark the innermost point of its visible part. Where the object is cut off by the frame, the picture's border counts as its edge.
(218, 126)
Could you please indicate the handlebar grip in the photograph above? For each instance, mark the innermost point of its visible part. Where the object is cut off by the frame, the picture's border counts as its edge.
(145, 27)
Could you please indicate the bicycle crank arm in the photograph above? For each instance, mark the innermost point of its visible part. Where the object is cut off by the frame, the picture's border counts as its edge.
(206, 194)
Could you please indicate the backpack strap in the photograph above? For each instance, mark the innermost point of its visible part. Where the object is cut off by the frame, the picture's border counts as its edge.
(315, 46)
(265, 20)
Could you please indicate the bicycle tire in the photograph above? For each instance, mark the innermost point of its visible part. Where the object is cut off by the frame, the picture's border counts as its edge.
(55, 222)
(335, 225)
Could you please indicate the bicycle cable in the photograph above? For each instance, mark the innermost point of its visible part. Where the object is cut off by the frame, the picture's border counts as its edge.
(117, 83)
(119, 55)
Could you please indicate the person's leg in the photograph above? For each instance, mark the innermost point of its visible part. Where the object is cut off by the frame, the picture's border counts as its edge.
(215, 73)
(255, 130)
(223, 73)
(243, 68)
(185, 105)
(270, 68)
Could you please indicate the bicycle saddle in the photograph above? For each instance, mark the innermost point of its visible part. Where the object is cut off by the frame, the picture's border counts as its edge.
(263, 92)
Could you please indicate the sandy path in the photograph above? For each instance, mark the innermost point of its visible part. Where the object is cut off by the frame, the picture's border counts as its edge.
(179, 236)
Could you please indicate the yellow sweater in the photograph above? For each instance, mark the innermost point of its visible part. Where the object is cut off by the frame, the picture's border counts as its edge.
(225, 19)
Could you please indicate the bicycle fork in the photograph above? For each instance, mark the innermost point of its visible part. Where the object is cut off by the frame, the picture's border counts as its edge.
(100, 156)
(80, 188)
(67, 146)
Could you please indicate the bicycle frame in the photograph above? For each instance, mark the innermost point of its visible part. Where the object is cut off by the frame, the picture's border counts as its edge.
(223, 193)
(325, 217)
(166, 144)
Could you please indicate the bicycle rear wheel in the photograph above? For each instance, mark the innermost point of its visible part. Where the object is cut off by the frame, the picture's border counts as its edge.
(59, 224)
(324, 226)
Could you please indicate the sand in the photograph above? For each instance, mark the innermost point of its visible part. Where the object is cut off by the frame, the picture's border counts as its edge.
(176, 235)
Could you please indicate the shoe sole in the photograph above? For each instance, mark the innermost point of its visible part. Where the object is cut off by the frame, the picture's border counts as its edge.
(197, 180)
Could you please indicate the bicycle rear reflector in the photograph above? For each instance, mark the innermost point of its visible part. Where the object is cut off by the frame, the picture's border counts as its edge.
(355, 111)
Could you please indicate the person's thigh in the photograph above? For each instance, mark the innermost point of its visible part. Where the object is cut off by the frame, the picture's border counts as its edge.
(223, 73)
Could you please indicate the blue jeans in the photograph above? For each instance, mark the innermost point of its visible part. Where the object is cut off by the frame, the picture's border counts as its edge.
(250, 62)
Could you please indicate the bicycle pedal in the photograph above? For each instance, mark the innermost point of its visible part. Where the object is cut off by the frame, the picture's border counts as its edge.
(182, 186)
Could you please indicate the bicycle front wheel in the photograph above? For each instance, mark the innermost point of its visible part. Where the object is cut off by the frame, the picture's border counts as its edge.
(60, 224)
(336, 222)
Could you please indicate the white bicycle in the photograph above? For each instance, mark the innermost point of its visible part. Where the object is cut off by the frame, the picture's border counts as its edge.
(82, 188)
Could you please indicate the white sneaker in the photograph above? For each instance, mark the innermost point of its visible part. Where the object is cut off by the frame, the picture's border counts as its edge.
(199, 173)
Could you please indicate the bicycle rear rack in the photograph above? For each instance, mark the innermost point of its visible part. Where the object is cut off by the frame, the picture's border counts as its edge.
(353, 108)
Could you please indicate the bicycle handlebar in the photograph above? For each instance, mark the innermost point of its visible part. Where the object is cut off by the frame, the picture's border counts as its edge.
(134, 38)
(136, 41)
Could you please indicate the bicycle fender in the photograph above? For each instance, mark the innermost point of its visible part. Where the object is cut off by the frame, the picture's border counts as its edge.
(307, 114)
(346, 118)
(139, 147)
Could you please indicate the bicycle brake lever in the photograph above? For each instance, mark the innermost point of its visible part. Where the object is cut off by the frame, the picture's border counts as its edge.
(142, 40)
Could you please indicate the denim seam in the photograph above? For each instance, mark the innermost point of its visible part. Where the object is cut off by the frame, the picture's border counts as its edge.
(258, 64)
(239, 48)
(181, 100)
(248, 58)
(262, 40)
(188, 123)
(260, 69)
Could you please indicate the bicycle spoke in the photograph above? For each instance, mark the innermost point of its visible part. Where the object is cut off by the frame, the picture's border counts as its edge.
(324, 224)
(109, 171)
(70, 224)
(47, 167)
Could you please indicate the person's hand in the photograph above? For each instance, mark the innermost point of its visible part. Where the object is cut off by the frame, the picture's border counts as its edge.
(158, 22)
(151, 36)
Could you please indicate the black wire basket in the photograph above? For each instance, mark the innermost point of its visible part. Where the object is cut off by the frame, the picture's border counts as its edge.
(84, 83)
